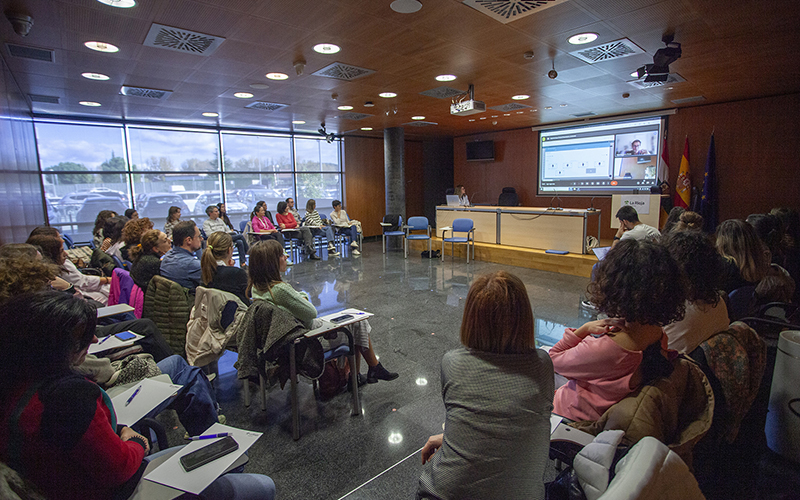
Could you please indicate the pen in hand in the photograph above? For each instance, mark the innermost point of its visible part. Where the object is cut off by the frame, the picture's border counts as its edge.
(209, 436)
(133, 395)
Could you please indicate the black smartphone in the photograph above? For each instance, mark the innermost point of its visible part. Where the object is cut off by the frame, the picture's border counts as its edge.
(127, 335)
(343, 317)
(209, 453)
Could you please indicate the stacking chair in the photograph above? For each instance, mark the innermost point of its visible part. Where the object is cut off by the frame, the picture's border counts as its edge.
(68, 243)
(418, 224)
(460, 226)
(387, 225)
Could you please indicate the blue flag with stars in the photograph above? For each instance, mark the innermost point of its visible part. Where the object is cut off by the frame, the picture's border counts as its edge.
(708, 202)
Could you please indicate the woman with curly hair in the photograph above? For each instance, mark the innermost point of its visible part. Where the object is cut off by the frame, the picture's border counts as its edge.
(132, 234)
(146, 257)
(99, 223)
(641, 289)
(746, 257)
(706, 314)
(173, 217)
(113, 233)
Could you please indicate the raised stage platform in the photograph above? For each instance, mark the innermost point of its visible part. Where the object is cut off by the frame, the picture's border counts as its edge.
(574, 264)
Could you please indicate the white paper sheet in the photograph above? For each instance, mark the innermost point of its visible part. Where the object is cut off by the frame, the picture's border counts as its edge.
(554, 421)
(601, 252)
(171, 473)
(112, 343)
(102, 312)
(153, 393)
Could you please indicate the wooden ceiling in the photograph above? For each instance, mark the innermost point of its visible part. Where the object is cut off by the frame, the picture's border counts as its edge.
(732, 49)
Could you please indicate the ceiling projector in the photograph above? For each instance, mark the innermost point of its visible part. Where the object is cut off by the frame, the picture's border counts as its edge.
(466, 107)
(659, 70)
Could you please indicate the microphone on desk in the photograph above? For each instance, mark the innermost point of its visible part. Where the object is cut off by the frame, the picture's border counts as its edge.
(591, 206)
(551, 207)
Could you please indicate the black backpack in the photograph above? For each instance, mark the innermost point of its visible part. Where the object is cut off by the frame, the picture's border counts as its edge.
(394, 220)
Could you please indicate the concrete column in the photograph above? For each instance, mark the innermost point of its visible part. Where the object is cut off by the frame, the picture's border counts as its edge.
(394, 173)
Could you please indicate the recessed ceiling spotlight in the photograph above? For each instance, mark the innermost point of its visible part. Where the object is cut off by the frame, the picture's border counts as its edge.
(95, 76)
(211, 114)
(548, 107)
(532, 110)
(91, 104)
(102, 46)
(669, 88)
(277, 76)
(123, 4)
(243, 95)
(563, 105)
(405, 6)
(298, 122)
(483, 117)
(635, 74)
(582, 38)
(519, 112)
(369, 104)
(345, 108)
(506, 114)
(259, 86)
(520, 97)
(445, 78)
(326, 48)
(387, 95)
(472, 119)
(420, 117)
(366, 129)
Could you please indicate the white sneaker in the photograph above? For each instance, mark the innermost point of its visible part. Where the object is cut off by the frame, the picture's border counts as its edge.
(331, 247)
(354, 244)
(356, 252)
(332, 251)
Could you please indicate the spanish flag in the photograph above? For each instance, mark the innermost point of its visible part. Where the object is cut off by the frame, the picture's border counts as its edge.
(683, 186)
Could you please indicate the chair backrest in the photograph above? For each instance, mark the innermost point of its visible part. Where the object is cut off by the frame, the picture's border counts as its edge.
(242, 225)
(203, 233)
(508, 198)
(462, 225)
(418, 223)
(118, 262)
(741, 302)
(450, 191)
(396, 221)
(68, 243)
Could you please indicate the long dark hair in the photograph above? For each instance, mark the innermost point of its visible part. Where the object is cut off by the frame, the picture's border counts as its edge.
(265, 268)
(224, 215)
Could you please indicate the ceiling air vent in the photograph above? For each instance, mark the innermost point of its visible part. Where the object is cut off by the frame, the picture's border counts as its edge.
(342, 71)
(608, 51)
(192, 42)
(354, 116)
(144, 92)
(512, 106)
(696, 98)
(507, 11)
(48, 99)
(266, 106)
(443, 92)
(420, 124)
(30, 53)
(584, 115)
(672, 78)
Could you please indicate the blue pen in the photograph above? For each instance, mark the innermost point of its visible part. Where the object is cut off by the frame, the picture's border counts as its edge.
(210, 436)
(104, 339)
(133, 395)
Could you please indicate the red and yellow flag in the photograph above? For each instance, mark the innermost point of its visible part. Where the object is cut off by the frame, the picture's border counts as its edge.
(683, 186)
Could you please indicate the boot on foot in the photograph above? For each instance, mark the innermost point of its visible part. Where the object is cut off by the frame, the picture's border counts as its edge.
(378, 372)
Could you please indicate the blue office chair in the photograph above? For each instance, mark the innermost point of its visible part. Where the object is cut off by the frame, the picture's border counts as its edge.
(418, 224)
(460, 226)
(242, 225)
(387, 224)
(68, 243)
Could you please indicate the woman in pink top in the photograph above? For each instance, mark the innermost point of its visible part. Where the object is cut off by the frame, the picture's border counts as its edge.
(263, 227)
(641, 288)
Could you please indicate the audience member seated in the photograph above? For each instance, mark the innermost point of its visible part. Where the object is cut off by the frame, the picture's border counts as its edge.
(218, 268)
(706, 312)
(132, 234)
(689, 221)
(641, 289)
(267, 265)
(318, 226)
(92, 287)
(286, 220)
(223, 215)
(97, 233)
(672, 219)
(173, 218)
(630, 227)
(214, 223)
(180, 264)
(132, 214)
(776, 286)
(113, 233)
(61, 427)
(146, 257)
(293, 210)
(746, 258)
(263, 227)
(342, 223)
(790, 220)
(497, 392)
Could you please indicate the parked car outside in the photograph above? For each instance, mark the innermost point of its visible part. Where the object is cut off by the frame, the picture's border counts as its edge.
(156, 206)
(104, 191)
(214, 198)
(190, 198)
(93, 205)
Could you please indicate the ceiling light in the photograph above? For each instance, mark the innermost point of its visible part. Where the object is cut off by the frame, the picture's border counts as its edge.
(483, 117)
(563, 105)
(582, 38)
(417, 117)
(519, 112)
(345, 108)
(277, 76)
(635, 73)
(506, 114)
(405, 6)
(387, 95)
(102, 46)
(472, 119)
(366, 129)
(369, 104)
(298, 122)
(243, 95)
(211, 114)
(91, 104)
(548, 107)
(446, 78)
(326, 48)
(520, 97)
(259, 86)
(123, 4)
(95, 76)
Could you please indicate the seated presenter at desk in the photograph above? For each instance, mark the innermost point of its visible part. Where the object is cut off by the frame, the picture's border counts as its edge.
(497, 390)
(461, 192)
(641, 288)
(59, 429)
(267, 265)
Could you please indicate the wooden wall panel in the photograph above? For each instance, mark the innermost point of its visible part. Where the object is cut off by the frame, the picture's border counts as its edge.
(415, 176)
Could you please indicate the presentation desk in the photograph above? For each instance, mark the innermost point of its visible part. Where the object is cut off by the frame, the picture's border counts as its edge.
(526, 227)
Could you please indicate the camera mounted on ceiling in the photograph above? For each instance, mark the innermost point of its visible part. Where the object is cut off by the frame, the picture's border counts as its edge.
(659, 70)
(22, 23)
(329, 138)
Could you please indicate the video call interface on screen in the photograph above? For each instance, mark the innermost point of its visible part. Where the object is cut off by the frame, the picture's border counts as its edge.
(601, 158)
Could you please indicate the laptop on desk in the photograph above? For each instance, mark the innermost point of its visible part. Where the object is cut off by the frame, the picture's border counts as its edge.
(452, 200)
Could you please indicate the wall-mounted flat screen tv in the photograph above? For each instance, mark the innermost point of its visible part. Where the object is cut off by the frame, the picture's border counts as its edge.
(601, 158)
(480, 151)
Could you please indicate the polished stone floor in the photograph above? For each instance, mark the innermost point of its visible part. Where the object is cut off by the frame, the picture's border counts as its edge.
(418, 305)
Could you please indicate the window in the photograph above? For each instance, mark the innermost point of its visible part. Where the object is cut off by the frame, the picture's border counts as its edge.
(174, 151)
(257, 153)
(315, 155)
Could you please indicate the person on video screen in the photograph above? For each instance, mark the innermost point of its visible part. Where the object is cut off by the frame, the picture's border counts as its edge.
(636, 148)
